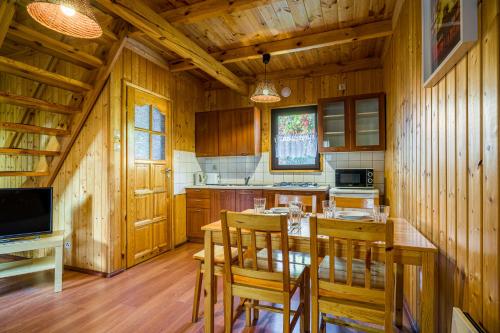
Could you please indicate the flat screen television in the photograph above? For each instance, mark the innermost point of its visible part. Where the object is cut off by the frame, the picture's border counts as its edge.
(25, 212)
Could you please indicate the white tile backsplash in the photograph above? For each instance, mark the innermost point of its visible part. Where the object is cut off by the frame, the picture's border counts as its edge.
(185, 164)
(235, 169)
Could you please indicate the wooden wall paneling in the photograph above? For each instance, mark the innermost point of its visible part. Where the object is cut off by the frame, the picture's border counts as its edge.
(448, 135)
(475, 183)
(491, 205)
(180, 219)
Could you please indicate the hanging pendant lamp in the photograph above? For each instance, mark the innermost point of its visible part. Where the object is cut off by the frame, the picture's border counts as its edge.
(69, 17)
(265, 92)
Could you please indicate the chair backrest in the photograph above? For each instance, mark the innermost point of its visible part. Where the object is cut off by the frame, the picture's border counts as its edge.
(247, 268)
(349, 236)
(361, 203)
(309, 201)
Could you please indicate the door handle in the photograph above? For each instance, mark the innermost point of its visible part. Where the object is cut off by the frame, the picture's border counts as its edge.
(168, 171)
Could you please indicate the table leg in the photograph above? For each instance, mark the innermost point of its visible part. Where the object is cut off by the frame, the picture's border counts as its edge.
(399, 295)
(208, 281)
(428, 292)
(58, 270)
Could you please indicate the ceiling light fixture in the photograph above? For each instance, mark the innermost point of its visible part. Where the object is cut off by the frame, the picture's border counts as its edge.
(69, 17)
(265, 92)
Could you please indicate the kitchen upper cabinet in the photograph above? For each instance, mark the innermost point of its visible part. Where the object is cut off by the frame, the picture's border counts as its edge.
(333, 124)
(368, 122)
(244, 199)
(207, 134)
(227, 133)
(352, 123)
(221, 200)
(247, 124)
(233, 132)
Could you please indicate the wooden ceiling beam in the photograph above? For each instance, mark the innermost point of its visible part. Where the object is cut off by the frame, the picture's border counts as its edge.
(152, 24)
(307, 42)
(41, 42)
(23, 173)
(295, 44)
(32, 152)
(311, 71)
(34, 103)
(7, 10)
(24, 128)
(210, 8)
(37, 74)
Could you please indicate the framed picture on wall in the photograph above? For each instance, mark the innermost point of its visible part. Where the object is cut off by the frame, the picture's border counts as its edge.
(449, 30)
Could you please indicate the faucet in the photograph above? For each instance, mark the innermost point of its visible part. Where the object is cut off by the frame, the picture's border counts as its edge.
(247, 179)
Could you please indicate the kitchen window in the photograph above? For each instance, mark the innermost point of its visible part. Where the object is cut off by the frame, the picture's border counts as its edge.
(294, 139)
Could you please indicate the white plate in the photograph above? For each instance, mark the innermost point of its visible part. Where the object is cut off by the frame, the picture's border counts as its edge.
(279, 210)
(353, 215)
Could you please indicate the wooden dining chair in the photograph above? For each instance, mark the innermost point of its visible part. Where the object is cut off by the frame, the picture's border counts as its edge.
(345, 287)
(266, 279)
(200, 270)
(309, 201)
(359, 203)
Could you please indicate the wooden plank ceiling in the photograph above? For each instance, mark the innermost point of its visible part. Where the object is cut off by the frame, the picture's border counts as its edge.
(49, 82)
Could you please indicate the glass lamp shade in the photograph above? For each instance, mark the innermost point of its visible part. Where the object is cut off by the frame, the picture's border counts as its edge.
(265, 92)
(69, 17)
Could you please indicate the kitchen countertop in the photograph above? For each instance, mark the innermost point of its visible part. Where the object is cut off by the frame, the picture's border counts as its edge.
(268, 187)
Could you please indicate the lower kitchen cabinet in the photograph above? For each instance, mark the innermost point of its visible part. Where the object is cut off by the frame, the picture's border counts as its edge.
(244, 199)
(196, 218)
(221, 200)
(203, 205)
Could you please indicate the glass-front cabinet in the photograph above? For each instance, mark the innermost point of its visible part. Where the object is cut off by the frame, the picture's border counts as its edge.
(352, 123)
(333, 121)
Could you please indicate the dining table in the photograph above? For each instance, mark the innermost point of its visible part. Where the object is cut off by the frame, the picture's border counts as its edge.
(411, 247)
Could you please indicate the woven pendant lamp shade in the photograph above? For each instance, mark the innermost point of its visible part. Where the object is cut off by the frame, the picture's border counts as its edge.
(69, 17)
(265, 92)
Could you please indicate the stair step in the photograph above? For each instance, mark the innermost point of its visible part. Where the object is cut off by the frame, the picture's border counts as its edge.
(34, 152)
(24, 128)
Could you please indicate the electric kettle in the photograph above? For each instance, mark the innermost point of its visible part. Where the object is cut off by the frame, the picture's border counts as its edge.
(200, 178)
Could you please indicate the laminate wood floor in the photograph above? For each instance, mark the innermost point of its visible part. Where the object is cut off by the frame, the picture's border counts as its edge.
(155, 296)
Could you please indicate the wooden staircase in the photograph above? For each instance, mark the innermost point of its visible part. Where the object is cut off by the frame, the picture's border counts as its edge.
(85, 92)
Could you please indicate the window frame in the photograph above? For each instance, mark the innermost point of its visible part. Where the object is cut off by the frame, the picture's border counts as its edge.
(273, 165)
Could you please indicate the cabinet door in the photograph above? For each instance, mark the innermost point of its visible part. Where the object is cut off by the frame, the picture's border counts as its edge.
(221, 200)
(368, 122)
(247, 137)
(196, 218)
(244, 199)
(227, 133)
(333, 125)
(207, 134)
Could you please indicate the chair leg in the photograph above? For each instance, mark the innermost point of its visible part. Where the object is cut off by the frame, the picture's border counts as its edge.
(314, 314)
(307, 301)
(302, 301)
(248, 313)
(255, 311)
(228, 308)
(215, 290)
(197, 293)
(286, 314)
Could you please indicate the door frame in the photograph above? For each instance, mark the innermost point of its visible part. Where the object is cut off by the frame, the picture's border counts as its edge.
(124, 156)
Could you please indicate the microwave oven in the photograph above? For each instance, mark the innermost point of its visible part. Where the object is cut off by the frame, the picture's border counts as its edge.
(354, 178)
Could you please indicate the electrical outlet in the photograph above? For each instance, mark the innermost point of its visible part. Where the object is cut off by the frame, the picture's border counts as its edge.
(342, 86)
(67, 245)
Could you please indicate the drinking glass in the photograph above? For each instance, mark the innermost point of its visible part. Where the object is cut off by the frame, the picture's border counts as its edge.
(259, 205)
(294, 218)
(328, 209)
(381, 213)
(295, 204)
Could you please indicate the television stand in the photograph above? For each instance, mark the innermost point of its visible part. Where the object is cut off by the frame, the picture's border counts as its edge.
(31, 265)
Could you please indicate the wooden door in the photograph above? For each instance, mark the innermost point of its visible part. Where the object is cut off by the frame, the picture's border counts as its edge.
(149, 161)
(221, 200)
(207, 134)
(334, 125)
(244, 199)
(227, 133)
